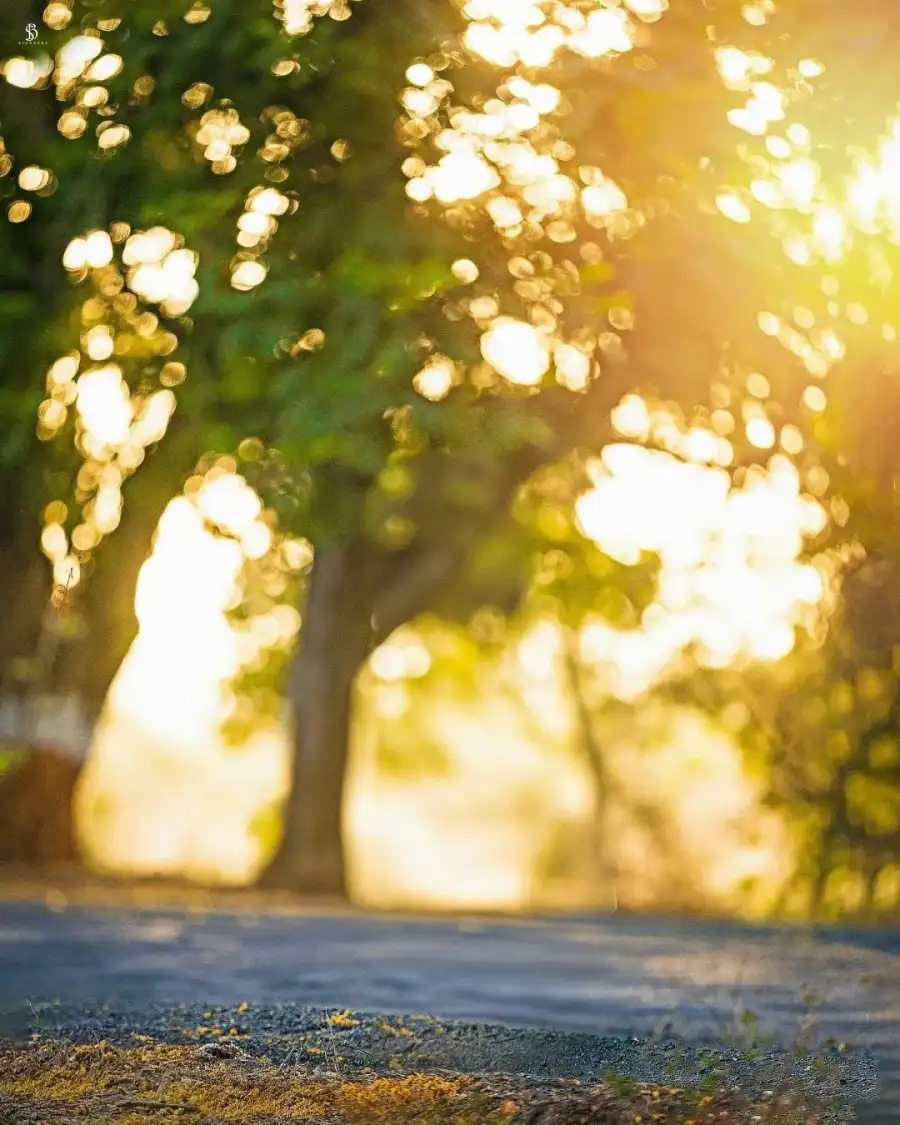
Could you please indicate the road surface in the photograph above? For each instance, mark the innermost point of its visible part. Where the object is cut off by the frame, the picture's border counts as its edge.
(610, 975)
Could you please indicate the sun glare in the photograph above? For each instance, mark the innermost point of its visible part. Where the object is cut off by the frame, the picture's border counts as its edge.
(162, 792)
(517, 350)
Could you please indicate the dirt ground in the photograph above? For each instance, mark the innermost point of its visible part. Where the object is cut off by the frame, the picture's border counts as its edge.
(217, 1083)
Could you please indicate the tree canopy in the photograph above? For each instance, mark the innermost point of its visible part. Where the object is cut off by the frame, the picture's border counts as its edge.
(400, 260)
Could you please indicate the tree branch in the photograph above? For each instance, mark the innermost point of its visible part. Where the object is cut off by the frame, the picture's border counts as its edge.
(414, 577)
(421, 575)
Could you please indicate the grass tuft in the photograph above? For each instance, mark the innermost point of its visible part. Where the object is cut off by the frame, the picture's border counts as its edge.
(218, 1083)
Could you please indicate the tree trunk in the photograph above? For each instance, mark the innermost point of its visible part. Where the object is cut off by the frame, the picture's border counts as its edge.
(26, 575)
(334, 643)
(605, 865)
(358, 595)
(36, 808)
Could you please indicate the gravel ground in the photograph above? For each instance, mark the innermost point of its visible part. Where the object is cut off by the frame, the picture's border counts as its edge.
(563, 998)
(351, 1042)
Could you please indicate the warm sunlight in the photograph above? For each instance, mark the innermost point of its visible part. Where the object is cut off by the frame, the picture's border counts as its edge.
(517, 350)
(162, 791)
(730, 584)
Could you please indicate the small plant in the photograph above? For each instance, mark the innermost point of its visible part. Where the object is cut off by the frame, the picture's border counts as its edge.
(812, 1001)
(739, 1032)
(335, 1066)
(623, 1085)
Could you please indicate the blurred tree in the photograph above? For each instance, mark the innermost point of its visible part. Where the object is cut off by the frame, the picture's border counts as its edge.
(40, 318)
(821, 729)
(405, 311)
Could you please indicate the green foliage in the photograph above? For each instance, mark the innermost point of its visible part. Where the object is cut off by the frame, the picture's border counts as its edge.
(356, 260)
(11, 760)
(318, 362)
(821, 729)
(265, 828)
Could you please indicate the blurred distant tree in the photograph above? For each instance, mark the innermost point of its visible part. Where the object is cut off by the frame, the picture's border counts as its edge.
(366, 194)
(41, 316)
(821, 729)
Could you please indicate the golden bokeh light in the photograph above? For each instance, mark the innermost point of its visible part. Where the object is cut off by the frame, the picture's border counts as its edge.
(573, 366)
(732, 207)
(33, 178)
(27, 74)
(18, 211)
(465, 270)
(297, 16)
(435, 380)
(247, 275)
(113, 424)
(76, 55)
(219, 131)
(730, 580)
(104, 406)
(731, 585)
(517, 350)
(760, 433)
(157, 744)
(57, 14)
(111, 135)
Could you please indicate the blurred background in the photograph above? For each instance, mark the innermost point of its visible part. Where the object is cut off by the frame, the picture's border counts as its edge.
(448, 451)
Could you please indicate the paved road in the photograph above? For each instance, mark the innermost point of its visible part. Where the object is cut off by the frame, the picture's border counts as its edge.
(610, 975)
